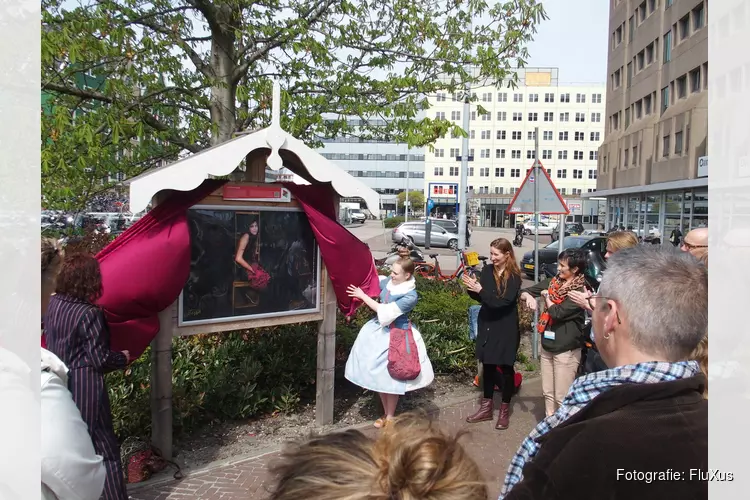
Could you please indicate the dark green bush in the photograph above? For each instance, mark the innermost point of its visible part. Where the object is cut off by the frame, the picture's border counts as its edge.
(239, 375)
(392, 222)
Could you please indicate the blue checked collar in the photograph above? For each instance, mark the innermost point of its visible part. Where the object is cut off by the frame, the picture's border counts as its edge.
(582, 392)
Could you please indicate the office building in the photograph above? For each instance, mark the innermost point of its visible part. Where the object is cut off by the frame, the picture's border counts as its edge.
(570, 118)
(653, 164)
(381, 165)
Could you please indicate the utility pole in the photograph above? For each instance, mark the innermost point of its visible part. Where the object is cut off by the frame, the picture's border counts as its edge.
(464, 183)
(406, 196)
(535, 341)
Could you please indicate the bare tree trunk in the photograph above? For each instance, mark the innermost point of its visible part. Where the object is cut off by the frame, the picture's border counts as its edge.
(223, 106)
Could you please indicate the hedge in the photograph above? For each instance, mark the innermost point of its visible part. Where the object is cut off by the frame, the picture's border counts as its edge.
(392, 222)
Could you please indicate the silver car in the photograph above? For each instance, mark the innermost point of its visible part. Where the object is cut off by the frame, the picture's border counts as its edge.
(415, 232)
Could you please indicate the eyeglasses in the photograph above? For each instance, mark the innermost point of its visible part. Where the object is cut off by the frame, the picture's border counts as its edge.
(690, 246)
(591, 305)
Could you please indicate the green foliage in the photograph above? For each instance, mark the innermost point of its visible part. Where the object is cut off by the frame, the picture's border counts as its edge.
(416, 199)
(128, 84)
(392, 222)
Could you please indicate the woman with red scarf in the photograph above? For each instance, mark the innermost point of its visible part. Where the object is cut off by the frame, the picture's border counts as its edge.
(561, 323)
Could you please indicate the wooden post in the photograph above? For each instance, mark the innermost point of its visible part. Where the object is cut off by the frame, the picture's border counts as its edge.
(255, 166)
(161, 385)
(326, 361)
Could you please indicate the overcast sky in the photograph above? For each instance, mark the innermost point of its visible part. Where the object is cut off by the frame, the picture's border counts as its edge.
(574, 39)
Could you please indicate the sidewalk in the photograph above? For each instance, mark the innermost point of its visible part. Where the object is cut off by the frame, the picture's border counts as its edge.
(248, 477)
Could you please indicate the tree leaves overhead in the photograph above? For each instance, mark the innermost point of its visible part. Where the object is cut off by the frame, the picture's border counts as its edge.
(166, 77)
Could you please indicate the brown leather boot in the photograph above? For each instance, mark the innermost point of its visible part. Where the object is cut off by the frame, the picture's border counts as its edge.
(503, 420)
(484, 412)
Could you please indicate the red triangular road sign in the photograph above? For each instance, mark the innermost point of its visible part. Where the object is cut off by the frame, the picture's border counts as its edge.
(550, 201)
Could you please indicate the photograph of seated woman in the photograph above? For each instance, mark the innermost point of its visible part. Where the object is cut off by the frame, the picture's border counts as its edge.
(498, 333)
(247, 258)
(367, 365)
(560, 326)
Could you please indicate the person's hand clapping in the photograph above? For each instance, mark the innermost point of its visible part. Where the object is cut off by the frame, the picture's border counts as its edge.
(355, 292)
(529, 300)
(470, 283)
(581, 298)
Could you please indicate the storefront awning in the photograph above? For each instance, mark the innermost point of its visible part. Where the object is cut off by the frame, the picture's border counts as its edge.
(661, 186)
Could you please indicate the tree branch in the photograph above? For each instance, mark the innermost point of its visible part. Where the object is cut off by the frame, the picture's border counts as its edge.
(200, 65)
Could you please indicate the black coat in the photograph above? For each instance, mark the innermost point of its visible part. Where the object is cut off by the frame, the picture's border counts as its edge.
(568, 320)
(498, 333)
(632, 427)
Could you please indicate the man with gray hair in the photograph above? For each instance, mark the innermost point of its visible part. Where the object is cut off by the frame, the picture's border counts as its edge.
(644, 415)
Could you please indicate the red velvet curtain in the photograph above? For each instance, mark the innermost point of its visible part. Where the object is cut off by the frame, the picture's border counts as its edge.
(347, 259)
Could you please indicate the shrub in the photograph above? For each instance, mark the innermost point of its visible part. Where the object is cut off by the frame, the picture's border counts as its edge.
(392, 222)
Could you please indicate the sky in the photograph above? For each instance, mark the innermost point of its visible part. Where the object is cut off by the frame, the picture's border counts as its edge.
(574, 39)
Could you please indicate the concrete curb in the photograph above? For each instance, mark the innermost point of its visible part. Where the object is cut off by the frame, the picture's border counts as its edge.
(227, 462)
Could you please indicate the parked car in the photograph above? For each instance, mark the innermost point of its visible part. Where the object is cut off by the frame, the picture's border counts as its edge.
(549, 253)
(357, 216)
(544, 228)
(415, 232)
(449, 225)
(571, 229)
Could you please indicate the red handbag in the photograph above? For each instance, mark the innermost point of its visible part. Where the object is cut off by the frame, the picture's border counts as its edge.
(403, 357)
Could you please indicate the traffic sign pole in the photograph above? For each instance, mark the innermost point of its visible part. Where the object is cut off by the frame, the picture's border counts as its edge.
(463, 185)
(535, 333)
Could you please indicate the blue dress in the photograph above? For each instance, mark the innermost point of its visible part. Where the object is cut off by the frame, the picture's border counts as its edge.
(367, 365)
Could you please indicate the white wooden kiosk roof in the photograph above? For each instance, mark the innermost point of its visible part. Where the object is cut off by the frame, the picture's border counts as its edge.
(222, 159)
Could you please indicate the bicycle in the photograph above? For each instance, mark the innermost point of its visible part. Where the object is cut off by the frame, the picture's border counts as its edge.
(433, 271)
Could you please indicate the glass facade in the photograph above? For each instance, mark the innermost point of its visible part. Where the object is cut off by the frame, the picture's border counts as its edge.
(657, 214)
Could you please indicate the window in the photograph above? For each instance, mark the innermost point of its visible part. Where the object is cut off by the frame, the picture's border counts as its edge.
(440, 115)
(484, 153)
(667, 47)
(638, 106)
(487, 97)
(681, 84)
(438, 171)
(499, 172)
(549, 116)
(455, 152)
(472, 134)
(471, 172)
(484, 172)
(471, 153)
(516, 135)
(455, 115)
(530, 154)
(439, 153)
(640, 60)
(577, 174)
(652, 6)
(665, 146)
(562, 136)
(549, 97)
(562, 190)
(596, 98)
(615, 121)
(678, 143)
(664, 99)
(565, 117)
(502, 116)
(453, 171)
(533, 117)
(515, 154)
(647, 104)
(684, 27)
(562, 155)
(441, 97)
(562, 174)
(486, 117)
(642, 12)
(579, 136)
(668, 4)
(486, 134)
(456, 97)
(594, 137)
(592, 173)
(499, 153)
(616, 79)
(473, 115)
(581, 98)
(617, 36)
(546, 154)
(517, 117)
(625, 161)
(517, 97)
(650, 53)
(564, 97)
(698, 17)
(635, 155)
(531, 135)
(498, 190)
(630, 74)
(502, 97)
(596, 117)
(515, 172)
(593, 155)
(695, 80)
(547, 135)
(578, 155)
(580, 117)
(501, 135)
(631, 28)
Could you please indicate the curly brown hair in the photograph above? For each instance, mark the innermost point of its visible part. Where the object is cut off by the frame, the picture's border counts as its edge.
(80, 278)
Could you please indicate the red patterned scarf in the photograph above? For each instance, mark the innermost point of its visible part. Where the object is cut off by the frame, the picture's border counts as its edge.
(558, 290)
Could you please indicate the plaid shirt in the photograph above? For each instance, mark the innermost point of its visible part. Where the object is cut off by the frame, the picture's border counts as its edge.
(582, 392)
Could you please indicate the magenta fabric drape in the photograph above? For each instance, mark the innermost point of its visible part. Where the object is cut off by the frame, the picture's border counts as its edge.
(348, 260)
(145, 269)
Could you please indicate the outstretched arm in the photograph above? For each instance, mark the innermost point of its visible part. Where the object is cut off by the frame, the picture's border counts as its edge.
(239, 256)
(357, 293)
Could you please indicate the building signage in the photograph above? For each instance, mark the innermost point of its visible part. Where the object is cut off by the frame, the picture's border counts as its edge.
(443, 191)
(703, 166)
(574, 207)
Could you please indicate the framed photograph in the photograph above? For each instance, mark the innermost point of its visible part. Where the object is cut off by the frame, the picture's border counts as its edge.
(249, 262)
